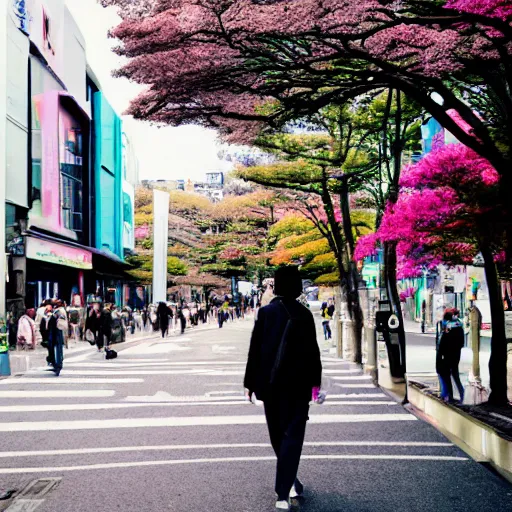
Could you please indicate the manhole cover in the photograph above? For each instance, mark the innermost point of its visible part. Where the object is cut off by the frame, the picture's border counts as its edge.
(38, 489)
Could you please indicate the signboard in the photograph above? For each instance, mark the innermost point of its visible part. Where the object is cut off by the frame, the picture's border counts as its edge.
(58, 254)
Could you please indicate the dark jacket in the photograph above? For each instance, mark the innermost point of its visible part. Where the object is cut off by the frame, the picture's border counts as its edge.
(162, 313)
(300, 369)
(450, 345)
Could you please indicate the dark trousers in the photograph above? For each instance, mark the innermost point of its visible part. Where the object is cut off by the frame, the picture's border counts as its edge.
(327, 330)
(286, 421)
(451, 369)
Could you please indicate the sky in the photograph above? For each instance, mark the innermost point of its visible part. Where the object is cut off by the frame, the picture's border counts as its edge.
(164, 153)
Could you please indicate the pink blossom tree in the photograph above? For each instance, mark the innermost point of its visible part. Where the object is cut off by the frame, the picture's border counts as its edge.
(240, 64)
(448, 212)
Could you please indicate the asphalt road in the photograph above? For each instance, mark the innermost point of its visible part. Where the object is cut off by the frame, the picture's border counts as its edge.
(165, 428)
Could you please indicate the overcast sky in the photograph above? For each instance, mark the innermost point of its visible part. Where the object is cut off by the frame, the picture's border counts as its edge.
(164, 153)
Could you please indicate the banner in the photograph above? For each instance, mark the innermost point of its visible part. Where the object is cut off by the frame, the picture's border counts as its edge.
(160, 241)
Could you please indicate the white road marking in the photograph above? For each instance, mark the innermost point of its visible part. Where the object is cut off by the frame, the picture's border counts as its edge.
(150, 363)
(138, 464)
(220, 349)
(98, 407)
(231, 392)
(23, 505)
(353, 377)
(336, 372)
(358, 386)
(156, 348)
(163, 396)
(134, 372)
(180, 447)
(195, 371)
(190, 421)
(356, 402)
(63, 380)
(189, 403)
(357, 395)
(93, 393)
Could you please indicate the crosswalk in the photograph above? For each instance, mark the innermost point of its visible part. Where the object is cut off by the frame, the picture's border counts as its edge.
(102, 416)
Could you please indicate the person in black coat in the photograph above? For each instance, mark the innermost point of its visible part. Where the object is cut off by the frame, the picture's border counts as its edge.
(105, 330)
(162, 314)
(451, 342)
(282, 369)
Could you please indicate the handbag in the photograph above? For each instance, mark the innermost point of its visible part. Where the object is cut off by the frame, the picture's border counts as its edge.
(62, 324)
(89, 336)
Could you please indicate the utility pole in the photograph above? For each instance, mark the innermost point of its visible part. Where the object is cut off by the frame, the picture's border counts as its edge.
(3, 156)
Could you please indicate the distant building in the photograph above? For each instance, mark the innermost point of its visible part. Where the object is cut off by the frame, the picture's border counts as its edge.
(163, 184)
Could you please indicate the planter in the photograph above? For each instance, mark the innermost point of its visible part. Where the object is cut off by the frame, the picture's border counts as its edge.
(479, 440)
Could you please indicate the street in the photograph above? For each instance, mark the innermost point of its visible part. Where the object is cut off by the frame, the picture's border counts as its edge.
(166, 427)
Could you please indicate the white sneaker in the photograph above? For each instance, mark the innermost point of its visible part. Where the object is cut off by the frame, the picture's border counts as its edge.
(282, 505)
(294, 494)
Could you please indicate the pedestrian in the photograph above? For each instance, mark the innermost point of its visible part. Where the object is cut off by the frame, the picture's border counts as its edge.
(284, 371)
(45, 329)
(27, 330)
(145, 318)
(105, 332)
(449, 350)
(162, 313)
(183, 320)
(58, 327)
(93, 324)
(326, 321)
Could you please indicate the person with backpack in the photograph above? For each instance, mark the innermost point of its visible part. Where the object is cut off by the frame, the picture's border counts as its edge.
(284, 371)
(451, 342)
(327, 313)
(58, 328)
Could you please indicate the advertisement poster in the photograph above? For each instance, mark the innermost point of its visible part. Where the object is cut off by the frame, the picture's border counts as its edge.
(128, 220)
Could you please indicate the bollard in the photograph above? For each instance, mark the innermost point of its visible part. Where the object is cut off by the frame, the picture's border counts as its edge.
(5, 367)
(339, 346)
(370, 339)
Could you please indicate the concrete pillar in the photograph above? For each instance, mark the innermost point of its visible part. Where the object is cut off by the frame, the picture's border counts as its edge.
(339, 338)
(3, 155)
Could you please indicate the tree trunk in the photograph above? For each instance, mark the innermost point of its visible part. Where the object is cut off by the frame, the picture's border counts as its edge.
(354, 302)
(498, 359)
(396, 308)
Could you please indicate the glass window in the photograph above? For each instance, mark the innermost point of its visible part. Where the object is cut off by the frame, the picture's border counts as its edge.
(71, 169)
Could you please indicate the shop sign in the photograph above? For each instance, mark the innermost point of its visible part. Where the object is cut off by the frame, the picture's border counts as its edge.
(58, 254)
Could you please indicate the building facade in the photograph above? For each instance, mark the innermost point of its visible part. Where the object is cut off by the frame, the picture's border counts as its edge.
(70, 172)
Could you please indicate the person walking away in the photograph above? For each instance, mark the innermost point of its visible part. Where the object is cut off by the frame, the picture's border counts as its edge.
(223, 313)
(27, 330)
(326, 321)
(448, 355)
(57, 326)
(93, 324)
(284, 371)
(162, 313)
(183, 320)
(105, 332)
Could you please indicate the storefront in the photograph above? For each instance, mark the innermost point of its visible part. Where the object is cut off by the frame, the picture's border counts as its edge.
(55, 270)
